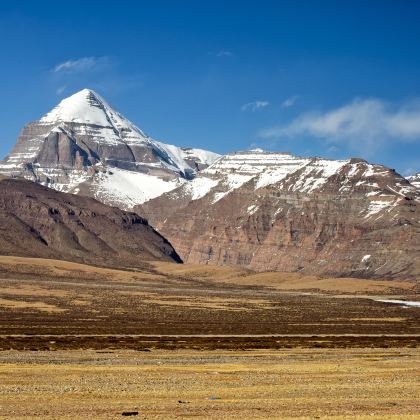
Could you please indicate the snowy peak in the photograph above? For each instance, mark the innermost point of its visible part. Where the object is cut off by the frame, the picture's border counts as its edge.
(85, 146)
(85, 106)
(88, 107)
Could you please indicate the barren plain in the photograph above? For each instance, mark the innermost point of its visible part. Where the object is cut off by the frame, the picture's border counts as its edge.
(257, 384)
(196, 341)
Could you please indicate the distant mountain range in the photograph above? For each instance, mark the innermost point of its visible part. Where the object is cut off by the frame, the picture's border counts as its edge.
(275, 211)
(265, 211)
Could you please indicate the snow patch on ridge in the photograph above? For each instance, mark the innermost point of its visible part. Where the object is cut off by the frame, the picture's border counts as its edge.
(271, 168)
(376, 206)
(414, 180)
(287, 164)
(316, 173)
(252, 209)
(131, 188)
(199, 187)
(202, 156)
(231, 182)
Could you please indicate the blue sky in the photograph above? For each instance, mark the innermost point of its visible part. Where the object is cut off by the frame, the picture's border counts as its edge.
(315, 78)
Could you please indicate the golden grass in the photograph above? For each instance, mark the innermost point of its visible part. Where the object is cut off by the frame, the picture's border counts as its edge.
(207, 302)
(231, 275)
(248, 385)
(38, 306)
(293, 281)
(59, 268)
(202, 271)
(33, 290)
(283, 281)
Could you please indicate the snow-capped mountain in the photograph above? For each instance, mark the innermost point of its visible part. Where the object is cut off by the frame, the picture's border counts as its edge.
(265, 211)
(309, 175)
(414, 180)
(84, 146)
(276, 211)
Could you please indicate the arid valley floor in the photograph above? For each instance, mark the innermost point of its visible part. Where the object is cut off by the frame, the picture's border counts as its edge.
(199, 341)
(305, 383)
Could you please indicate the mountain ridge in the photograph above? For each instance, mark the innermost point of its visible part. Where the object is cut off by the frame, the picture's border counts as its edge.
(36, 221)
(79, 145)
(414, 179)
(312, 215)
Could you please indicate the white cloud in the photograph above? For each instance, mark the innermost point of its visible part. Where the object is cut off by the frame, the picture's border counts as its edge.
(80, 65)
(254, 106)
(224, 53)
(364, 124)
(290, 101)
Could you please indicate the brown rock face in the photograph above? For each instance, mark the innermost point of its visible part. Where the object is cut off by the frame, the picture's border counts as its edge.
(340, 218)
(59, 149)
(39, 222)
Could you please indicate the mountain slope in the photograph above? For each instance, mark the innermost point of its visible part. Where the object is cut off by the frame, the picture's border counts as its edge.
(84, 146)
(414, 180)
(36, 221)
(274, 211)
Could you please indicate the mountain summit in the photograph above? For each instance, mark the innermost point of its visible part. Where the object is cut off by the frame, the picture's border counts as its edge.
(86, 106)
(84, 146)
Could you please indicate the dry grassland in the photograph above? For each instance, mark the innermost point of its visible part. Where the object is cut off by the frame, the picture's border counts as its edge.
(83, 306)
(295, 383)
(180, 341)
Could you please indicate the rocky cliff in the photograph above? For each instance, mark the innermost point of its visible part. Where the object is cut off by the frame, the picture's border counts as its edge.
(274, 211)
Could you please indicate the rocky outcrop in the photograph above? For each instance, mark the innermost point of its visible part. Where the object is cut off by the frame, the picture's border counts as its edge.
(84, 146)
(271, 211)
(36, 221)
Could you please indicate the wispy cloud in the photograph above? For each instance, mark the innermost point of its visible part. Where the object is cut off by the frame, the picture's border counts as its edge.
(290, 101)
(60, 90)
(363, 124)
(80, 65)
(254, 106)
(224, 53)
(409, 171)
